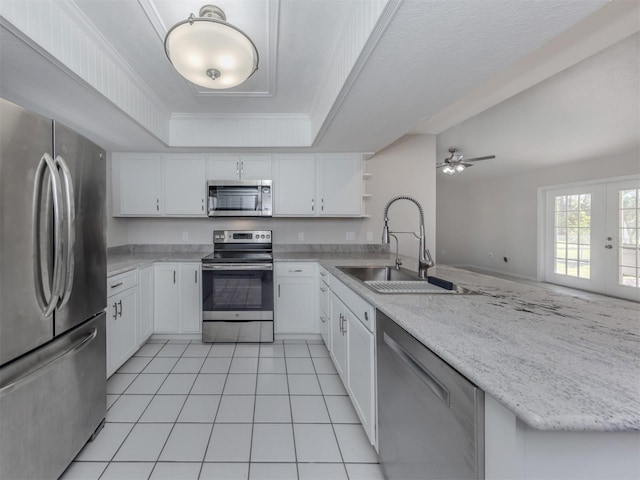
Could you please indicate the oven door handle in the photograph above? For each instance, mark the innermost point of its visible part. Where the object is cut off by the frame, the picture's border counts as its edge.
(238, 266)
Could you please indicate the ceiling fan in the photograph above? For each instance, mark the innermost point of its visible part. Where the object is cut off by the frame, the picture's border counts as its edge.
(453, 164)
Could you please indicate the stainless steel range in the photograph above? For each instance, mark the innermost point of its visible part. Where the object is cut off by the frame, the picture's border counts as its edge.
(237, 287)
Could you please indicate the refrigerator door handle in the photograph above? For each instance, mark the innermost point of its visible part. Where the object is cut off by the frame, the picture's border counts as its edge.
(47, 306)
(49, 364)
(70, 240)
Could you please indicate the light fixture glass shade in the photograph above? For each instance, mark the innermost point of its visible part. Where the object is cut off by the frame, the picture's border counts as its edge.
(211, 53)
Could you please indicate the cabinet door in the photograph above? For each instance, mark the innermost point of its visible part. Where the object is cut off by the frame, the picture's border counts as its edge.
(361, 377)
(324, 309)
(145, 297)
(140, 182)
(294, 185)
(122, 317)
(165, 304)
(295, 305)
(338, 336)
(190, 312)
(339, 184)
(223, 167)
(184, 185)
(255, 167)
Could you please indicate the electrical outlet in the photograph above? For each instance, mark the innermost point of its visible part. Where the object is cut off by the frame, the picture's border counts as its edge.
(301, 236)
(369, 236)
(185, 236)
(351, 236)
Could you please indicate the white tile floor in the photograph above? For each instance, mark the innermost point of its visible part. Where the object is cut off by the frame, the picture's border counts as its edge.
(180, 410)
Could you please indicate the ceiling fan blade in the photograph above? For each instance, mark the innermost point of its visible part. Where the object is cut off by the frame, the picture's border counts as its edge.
(440, 165)
(476, 159)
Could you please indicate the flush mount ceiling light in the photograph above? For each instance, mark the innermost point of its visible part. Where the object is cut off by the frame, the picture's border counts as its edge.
(453, 164)
(210, 52)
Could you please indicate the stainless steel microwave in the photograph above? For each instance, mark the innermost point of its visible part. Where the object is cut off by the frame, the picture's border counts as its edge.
(240, 198)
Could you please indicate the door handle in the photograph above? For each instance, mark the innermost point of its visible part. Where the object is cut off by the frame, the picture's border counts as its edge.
(174, 276)
(344, 327)
(322, 204)
(70, 230)
(340, 321)
(608, 247)
(120, 309)
(278, 290)
(115, 311)
(116, 285)
(202, 205)
(157, 204)
(196, 276)
(299, 270)
(312, 205)
(322, 319)
(47, 163)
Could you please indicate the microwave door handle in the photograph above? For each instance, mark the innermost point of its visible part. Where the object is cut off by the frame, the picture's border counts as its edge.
(70, 212)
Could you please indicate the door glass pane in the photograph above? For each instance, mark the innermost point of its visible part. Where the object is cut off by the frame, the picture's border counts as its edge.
(572, 240)
(628, 250)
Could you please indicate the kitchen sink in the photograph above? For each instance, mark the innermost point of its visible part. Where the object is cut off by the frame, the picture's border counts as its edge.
(401, 280)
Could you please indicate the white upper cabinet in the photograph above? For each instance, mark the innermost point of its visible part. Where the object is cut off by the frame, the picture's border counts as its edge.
(239, 167)
(184, 185)
(137, 184)
(318, 185)
(294, 185)
(339, 184)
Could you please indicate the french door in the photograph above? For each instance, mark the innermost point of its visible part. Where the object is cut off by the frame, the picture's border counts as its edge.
(592, 239)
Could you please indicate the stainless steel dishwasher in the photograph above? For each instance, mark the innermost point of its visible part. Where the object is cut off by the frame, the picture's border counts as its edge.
(430, 418)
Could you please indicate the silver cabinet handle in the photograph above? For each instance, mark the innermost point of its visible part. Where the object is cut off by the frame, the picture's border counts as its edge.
(322, 289)
(238, 169)
(366, 316)
(116, 285)
(344, 327)
(322, 319)
(70, 230)
(120, 309)
(322, 274)
(196, 276)
(278, 290)
(427, 377)
(157, 204)
(608, 247)
(312, 205)
(115, 311)
(202, 205)
(241, 168)
(174, 276)
(47, 306)
(298, 270)
(322, 204)
(340, 320)
(84, 341)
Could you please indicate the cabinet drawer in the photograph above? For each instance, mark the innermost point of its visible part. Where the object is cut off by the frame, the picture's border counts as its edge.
(359, 306)
(288, 269)
(324, 275)
(119, 283)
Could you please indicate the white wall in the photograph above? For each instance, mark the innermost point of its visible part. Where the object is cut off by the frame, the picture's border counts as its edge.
(498, 215)
(405, 167)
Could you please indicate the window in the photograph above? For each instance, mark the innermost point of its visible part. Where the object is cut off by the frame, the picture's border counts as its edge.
(573, 235)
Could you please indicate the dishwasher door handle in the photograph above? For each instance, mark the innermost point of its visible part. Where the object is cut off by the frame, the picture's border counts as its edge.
(427, 377)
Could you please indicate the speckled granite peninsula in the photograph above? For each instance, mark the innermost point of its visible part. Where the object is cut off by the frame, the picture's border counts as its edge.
(561, 361)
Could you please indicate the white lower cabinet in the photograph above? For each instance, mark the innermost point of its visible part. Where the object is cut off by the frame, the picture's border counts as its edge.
(145, 298)
(361, 372)
(295, 298)
(352, 349)
(177, 298)
(122, 319)
(338, 336)
(324, 307)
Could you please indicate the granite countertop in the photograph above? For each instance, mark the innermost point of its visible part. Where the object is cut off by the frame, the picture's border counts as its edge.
(558, 360)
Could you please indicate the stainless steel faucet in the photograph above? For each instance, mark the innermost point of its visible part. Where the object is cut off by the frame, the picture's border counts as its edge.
(424, 256)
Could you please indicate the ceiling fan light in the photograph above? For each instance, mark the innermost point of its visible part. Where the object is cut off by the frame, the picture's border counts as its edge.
(200, 45)
(459, 168)
(448, 169)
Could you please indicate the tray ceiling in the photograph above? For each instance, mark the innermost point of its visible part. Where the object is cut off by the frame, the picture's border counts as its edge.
(335, 75)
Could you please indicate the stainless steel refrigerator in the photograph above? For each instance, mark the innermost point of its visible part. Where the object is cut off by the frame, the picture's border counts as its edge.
(52, 293)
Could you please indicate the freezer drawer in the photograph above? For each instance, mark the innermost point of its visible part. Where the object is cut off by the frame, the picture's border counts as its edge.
(51, 402)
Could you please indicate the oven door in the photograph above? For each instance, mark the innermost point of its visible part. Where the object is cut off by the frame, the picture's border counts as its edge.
(237, 302)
